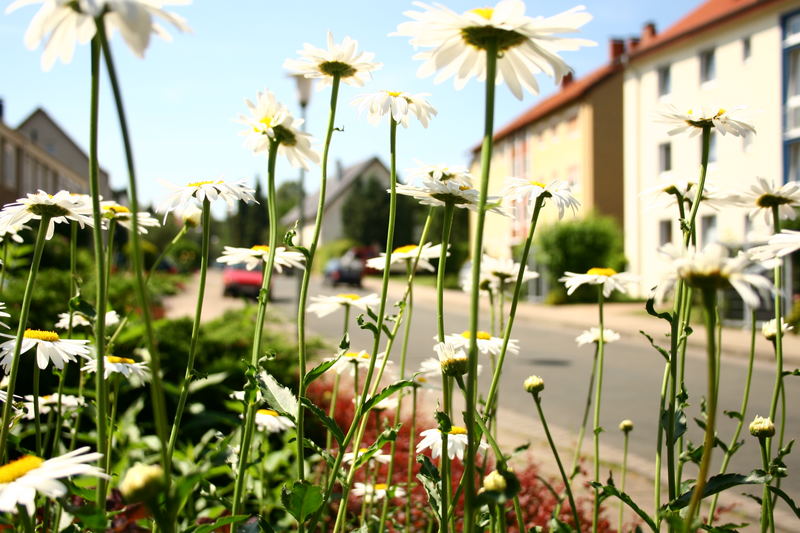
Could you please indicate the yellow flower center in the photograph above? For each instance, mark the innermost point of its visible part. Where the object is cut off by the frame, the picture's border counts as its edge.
(537, 183)
(115, 359)
(394, 93)
(38, 334)
(457, 430)
(482, 335)
(117, 208)
(16, 469)
(405, 249)
(422, 379)
(267, 412)
(260, 248)
(464, 188)
(201, 183)
(355, 355)
(348, 296)
(266, 121)
(380, 486)
(598, 271)
(363, 450)
(720, 112)
(485, 12)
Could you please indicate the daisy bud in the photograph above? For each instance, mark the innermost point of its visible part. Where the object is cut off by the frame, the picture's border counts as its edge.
(762, 427)
(142, 482)
(534, 384)
(455, 367)
(494, 482)
(626, 426)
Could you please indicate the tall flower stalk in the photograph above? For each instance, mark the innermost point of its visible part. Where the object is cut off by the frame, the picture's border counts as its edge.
(598, 394)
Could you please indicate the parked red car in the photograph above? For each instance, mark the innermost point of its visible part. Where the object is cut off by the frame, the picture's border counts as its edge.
(239, 281)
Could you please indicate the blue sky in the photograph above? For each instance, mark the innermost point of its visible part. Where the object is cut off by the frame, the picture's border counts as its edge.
(183, 98)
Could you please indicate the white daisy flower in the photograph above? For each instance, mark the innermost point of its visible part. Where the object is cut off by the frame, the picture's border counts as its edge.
(770, 331)
(387, 404)
(189, 214)
(430, 367)
(272, 422)
(520, 189)
(712, 267)
(378, 456)
(350, 360)
(408, 254)
(438, 193)
(503, 271)
(378, 491)
(453, 360)
(258, 255)
(12, 232)
(399, 104)
(22, 478)
(487, 345)
(120, 365)
(270, 121)
(592, 335)
(764, 195)
(694, 120)
(423, 380)
(525, 45)
(457, 174)
(69, 404)
(62, 23)
(123, 216)
(325, 305)
(344, 59)
(3, 314)
(49, 347)
(609, 278)
(670, 189)
(456, 442)
(779, 245)
(197, 191)
(80, 320)
(61, 207)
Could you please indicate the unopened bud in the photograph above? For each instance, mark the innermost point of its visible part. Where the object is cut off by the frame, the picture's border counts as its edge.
(494, 482)
(626, 425)
(534, 384)
(455, 366)
(762, 427)
(142, 483)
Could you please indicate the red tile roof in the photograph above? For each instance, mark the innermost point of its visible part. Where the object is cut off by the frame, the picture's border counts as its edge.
(566, 95)
(706, 16)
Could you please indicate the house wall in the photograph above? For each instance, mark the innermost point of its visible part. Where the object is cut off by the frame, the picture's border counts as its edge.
(755, 83)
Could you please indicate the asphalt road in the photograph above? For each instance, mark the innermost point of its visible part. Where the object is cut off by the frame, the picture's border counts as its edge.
(632, 380)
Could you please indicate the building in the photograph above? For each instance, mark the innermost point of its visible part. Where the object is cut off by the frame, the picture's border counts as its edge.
(38, 154)
(723, 54)
(335, 195)
(575, 135)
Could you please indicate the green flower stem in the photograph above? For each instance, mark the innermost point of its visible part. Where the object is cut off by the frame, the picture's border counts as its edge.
(491, 397)
(23, 321)
(113, 422)
(501, 301)
(36, 422)
(596, 429)
(706, 146)
(156, 388)
(381, 312)
(187, 378)
(564, 476)
(709, 304)
(335, 390)
(101, 397)
(178, 236)
(5, 264)
(767, 521)
(73, 440)
(27, 521)
(56, 431)
(112, 229)
(624, 475)
(669, 430)
(742, 411)
(659, 444)
(263, 299)
(412, 437)
(686, 317)
(778, 343)
(493, 312)
(444, 458)
(477, 248)
(449, 208)
(577, 456)
(303, 297)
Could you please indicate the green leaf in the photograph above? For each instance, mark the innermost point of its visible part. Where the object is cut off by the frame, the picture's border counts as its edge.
(224, 521)
(795, 372)
(301, 500)
(385, 393)
(387, 435)
(724, 528)
(607, 491)
(79, 305)
(736, 415)
(651, 310)
(327, 421)
(679, 426)
(431, 482)
(443, 421)
(785, 497)
(278, 397)
(664, 353)
(207, 381)
(319, 370)
(719, 483)
(255, 524)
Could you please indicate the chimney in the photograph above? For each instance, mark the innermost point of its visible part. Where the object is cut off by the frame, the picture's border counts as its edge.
(616, 48)
(567, 80)
(648, 31)
(633, 44)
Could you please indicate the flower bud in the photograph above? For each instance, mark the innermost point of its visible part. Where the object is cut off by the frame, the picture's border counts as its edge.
(495, 482)
(455, 366)
(762, 427)
(626, 426)
(142, 483)
(534, 384)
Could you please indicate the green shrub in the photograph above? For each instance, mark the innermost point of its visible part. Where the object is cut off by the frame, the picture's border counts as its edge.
(577, 246)
(186, 255)
(331, 250)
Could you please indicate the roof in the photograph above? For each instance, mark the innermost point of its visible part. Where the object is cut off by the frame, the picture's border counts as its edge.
(566, 95)
(337, 186)
(706, 16)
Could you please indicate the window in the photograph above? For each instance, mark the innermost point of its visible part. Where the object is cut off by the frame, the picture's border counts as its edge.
(747, 141)
(708, 229)
(664, 81)
(664, 157)
(746, 50)
(708, 66)
(748, 227)
(792, 30)
(793, 91)
(794, 162)
(664, 232)
(712, 147)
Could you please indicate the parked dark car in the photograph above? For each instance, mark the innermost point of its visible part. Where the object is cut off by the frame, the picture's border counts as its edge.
(347, 269)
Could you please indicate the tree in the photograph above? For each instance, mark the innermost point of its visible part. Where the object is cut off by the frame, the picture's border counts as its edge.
(365, 214)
